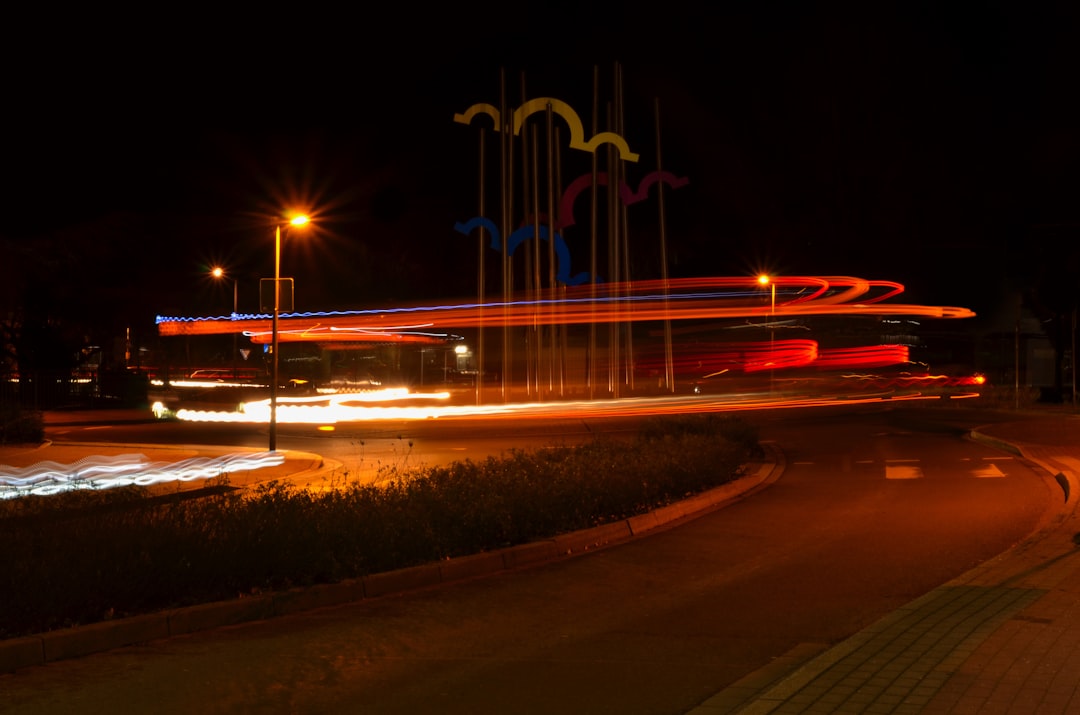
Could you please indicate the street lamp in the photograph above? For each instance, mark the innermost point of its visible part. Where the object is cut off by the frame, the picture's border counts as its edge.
(219, 273)
(299, 220)
(766, 280)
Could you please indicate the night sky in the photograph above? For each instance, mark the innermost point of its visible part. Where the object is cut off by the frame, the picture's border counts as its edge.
(910, 142)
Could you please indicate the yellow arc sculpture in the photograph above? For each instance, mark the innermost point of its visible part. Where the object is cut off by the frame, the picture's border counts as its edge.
(564, 110)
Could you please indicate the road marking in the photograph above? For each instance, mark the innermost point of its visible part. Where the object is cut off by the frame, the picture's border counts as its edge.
(990, 471)
(903, 471)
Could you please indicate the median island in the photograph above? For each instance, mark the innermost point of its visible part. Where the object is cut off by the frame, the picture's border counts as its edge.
(86, 556)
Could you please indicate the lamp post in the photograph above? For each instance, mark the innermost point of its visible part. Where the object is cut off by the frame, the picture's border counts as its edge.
(219, 272)
(295, 221)
(766, 280)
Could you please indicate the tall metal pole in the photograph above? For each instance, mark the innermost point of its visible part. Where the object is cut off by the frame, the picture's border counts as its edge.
(480, 284)
(591, 374)
(561, 330)
(615, 327)
(618, 176)
(234, 351)
(505, 132)
(1016, 356)
(551, 210)
(669, 369)
(530, 194)
(274, 339)
(772, 336)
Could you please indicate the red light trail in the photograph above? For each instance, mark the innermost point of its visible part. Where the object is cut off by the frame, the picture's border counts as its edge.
(680, 299)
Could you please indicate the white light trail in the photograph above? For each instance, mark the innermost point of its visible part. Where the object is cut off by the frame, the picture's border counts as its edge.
(103, 472)
(326, 414)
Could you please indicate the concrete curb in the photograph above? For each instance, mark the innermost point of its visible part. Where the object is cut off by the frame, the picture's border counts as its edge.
(79, 641)
(1064, 479)
(977, 436)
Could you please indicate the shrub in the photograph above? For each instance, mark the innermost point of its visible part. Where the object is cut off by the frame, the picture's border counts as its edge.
(19, 426)
(86, 556)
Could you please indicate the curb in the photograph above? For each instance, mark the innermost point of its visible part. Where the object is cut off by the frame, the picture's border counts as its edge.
(80, 641)
(1065, 480)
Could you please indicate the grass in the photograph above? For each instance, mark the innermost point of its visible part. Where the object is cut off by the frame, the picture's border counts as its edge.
(20, 426)
(87, 556)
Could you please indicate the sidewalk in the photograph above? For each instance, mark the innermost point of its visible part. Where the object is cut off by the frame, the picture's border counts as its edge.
(1002, 638)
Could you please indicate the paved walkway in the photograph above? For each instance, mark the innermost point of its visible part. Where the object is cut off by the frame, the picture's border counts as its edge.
(1002, 638)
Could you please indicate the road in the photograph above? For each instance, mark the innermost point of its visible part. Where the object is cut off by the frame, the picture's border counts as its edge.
(875, 508)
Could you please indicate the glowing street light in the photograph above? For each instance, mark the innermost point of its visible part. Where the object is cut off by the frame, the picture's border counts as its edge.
(219, 273)
(766, 280)
(298, 220)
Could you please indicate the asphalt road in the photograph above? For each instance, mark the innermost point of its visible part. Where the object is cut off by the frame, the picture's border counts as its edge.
(875, 508)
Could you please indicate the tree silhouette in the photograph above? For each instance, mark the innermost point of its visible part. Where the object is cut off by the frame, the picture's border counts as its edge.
(1052, 255)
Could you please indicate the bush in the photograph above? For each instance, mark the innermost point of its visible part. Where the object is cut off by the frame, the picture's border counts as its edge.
(87, 556)
(19, 426)
(730, 428)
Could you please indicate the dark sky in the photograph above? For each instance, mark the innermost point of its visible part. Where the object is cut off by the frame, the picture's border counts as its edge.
(923, 143)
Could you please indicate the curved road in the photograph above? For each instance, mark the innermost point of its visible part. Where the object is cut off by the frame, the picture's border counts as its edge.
(875, 508)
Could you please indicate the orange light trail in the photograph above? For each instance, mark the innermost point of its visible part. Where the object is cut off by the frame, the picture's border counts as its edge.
(680, 299)
(684, 299)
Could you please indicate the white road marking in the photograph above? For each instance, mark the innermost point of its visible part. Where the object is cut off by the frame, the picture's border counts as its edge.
(903, 471)
(990, 471)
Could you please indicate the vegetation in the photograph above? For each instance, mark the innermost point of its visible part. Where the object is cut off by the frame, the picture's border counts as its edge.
(86, 556)
(20, 426)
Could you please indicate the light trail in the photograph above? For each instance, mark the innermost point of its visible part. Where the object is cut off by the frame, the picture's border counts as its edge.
(711, 298)
(681, 299)
(101, 472)
(678, 299)
(333, 411)
(743, 357)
